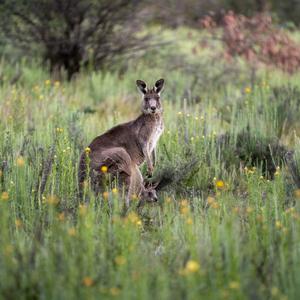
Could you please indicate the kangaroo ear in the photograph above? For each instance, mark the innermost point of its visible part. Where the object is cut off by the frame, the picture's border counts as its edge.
(142, 86)
(159, 85)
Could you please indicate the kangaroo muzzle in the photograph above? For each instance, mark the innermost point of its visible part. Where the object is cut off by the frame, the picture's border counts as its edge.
(153, 105)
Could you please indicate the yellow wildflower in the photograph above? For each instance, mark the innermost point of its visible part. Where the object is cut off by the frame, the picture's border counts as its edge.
(85, 184)
(52, 200)
(247, 90)
(72, 231)
(189, 221)
(184, 202)
(105, 195)
(134, 197)
(104, 169)
(236, 209)
(192, 266)
(20, 161)
(179, 113)
(47, 82)
(215, 205)
(220, 184)
(278, 224)
(8, 250)
(168, 200)
(4, 196)
(184, 210)
(249, 209)
(260, 218)
(120, 260)
(87, 281)
(18, 223)
(274, 291)
(234, 285)
(57, 83)
(36, 88)
(115, 191)
(61, 217)
(41, 97)
(87, 150)
(133, 218)
(210, 200)
(297, 193)
(115, 291)
(82, 209)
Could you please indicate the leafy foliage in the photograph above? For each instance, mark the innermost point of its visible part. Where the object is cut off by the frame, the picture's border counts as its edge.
(71, 34)
(257, 40)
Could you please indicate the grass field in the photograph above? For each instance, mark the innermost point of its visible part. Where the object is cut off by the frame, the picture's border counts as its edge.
(226, 230)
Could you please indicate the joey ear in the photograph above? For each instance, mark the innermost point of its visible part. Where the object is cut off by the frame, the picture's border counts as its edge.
(142, 86)
(159, 85)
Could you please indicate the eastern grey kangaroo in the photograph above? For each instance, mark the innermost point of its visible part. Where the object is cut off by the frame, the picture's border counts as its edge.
(123, 148)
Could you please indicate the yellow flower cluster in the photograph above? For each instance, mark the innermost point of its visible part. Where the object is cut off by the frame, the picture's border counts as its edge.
(59, 130)
(277, 171)
(191, 267)
(61, 217)
(72, 231)
(82, 210)
(115, 291)
(52, 200)
(184, 207)
(18, 223)
(297, 193)
(87, 281)
(211, 201)
(250, 170)
(134, 219)
(120, 260)
(248, 90)
(105, 195)
(234, 285)
(20, 161)
(4, 196)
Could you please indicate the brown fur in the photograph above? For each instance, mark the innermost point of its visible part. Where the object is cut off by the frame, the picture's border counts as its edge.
(125, 147)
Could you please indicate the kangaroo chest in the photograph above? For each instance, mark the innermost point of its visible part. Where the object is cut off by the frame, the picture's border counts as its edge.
(155, 135)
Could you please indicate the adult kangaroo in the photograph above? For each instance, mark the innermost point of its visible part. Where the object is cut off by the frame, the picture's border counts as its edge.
(123, 148)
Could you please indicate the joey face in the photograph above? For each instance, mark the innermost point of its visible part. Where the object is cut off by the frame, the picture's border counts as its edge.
(149, 195)
(151, 96)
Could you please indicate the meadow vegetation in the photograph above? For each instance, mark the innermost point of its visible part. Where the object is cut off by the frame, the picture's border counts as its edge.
(226, 227)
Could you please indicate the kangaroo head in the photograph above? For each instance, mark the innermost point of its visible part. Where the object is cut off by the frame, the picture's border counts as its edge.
(151, 96)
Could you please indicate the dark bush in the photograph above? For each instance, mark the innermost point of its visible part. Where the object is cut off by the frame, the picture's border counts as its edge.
(72, 33)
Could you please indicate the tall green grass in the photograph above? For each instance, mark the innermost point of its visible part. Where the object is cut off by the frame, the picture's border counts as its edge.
(226, 231)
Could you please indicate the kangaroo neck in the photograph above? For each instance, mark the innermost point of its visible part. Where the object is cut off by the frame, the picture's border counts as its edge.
(150, 117)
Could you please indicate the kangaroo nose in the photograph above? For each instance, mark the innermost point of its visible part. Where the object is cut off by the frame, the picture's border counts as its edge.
(153, 108)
